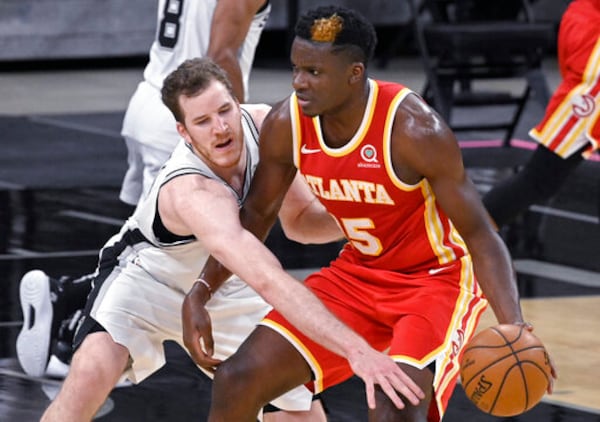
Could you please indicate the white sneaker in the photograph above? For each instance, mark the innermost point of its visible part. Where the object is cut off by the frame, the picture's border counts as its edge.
(33, 342)
(56, 368)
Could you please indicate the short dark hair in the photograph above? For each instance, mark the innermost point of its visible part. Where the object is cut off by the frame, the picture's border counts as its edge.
(191, 78)
(346, 29)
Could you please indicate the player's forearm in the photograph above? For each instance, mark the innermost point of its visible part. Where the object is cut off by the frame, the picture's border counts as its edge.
(307, 313)
(496, 276)
(258, 267)
(214, 274)
(227, 59)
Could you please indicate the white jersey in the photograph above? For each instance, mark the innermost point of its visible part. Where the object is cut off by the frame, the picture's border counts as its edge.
(145, 271)
(183, 31)
(172, 260)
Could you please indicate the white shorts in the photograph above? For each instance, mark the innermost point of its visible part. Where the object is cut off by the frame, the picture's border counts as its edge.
(150, 134)
(141, 313)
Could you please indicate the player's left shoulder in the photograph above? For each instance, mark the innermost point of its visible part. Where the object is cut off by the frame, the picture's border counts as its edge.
(420, 132)
(414, 106)
(415, 118)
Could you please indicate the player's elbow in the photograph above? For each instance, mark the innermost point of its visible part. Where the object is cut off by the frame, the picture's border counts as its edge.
(223, 56)
(292, 232)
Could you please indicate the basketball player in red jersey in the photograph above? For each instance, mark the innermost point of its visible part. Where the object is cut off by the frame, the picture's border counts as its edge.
(390, 171)
(570, 129)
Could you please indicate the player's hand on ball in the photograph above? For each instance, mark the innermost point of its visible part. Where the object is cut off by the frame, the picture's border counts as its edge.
(553, 370)
(197, 328)
(505, 370)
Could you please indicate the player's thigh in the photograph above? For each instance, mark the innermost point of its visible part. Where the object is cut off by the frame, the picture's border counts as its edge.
(268, 360)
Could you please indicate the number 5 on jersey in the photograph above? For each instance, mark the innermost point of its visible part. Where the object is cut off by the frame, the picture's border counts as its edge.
(356, 230)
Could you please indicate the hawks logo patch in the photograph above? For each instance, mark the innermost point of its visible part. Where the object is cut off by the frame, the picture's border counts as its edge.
(584, 105)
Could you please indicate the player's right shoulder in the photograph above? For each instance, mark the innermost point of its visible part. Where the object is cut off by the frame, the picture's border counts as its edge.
(278, 120)
(190, 188)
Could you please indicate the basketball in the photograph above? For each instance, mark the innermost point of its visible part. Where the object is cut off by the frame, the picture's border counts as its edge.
(505, 370)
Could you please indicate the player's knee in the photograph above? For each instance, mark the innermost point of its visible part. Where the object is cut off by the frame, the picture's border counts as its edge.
(83, 371)
(233, 382)
(233, 374)
(386, 410)
(99, 360)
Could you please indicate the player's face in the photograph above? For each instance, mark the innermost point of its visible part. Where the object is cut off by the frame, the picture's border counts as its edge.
(213, 126)
(320, 78)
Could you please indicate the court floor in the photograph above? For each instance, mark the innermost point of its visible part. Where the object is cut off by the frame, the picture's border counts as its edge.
(61, 165)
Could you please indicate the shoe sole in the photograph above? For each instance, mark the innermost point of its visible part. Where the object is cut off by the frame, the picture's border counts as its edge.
(33, 342)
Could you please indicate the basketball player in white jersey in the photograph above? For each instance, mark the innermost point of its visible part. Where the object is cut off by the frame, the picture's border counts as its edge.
(191, 211)
(228, 31)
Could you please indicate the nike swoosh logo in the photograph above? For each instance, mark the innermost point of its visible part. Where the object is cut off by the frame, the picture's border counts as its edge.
(306, 150)
(433, 271)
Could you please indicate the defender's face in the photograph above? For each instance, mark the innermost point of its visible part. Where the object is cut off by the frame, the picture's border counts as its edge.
(213, 126)
(320, 77)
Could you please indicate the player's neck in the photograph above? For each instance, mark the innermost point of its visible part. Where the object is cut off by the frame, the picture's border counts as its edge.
(340, 126)
(235, 175)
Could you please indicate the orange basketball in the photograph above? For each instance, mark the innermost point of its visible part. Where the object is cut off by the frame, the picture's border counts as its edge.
(505, 370)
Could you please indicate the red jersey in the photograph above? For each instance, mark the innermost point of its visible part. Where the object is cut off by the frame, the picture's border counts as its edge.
(390, 225)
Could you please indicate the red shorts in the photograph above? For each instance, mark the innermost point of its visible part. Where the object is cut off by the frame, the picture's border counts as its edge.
(419, 319)
(572, 118)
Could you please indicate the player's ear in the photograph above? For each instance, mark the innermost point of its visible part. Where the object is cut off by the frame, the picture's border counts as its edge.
(357, 72)
(183, 131)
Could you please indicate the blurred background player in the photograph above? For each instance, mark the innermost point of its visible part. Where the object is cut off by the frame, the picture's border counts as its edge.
(228, 31)
(570, 129)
